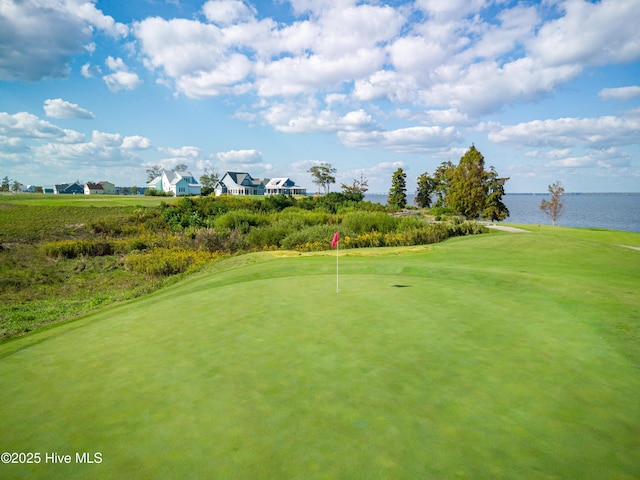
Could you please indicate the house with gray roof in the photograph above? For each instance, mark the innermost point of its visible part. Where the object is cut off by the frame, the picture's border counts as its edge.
(64, 189)
(177, 183)
(283, 186)
(241, 183)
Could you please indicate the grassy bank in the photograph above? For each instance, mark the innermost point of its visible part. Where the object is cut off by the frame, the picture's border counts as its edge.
(494, 356)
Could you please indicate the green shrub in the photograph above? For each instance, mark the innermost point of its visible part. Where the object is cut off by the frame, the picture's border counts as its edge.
(225, 240)
(306, 217)
(165, 261)
(317, 233)
(78, 248)
(241, 220)
(360, 222)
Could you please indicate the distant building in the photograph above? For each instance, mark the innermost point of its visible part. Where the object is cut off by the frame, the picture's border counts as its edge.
(177, 183)
(64, 189)
(108, 188)
(93, 189)
(283, 186)
(241, 183)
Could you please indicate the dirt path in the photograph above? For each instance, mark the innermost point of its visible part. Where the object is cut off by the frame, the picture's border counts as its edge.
(629, 246)
(504, 228)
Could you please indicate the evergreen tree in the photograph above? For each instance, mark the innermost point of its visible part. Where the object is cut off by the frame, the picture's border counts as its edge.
(398, 192)
(468, 190)
(442, 180)
(495, 209)
(426, 188)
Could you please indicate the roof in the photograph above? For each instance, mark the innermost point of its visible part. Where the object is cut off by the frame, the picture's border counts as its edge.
(244, 179)
(174, 177)
(94, 186)
(280, 183)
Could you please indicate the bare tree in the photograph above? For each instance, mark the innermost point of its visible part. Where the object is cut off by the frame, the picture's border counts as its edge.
(358, 188)
(553, 208)
(154, 172)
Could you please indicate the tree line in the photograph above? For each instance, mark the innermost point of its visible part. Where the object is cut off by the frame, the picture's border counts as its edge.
(467, 189)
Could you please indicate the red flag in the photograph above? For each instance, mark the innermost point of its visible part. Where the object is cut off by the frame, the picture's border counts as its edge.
(334, 242)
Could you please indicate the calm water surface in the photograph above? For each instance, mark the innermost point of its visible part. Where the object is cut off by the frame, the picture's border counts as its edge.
(586, 210)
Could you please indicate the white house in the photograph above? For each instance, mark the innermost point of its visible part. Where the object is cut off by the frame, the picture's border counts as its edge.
(93, 189)
(178, 183)
(283, 186)
(108, 188)
(241, 183)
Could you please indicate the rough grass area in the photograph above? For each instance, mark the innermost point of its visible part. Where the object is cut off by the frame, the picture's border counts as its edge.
(495, 356)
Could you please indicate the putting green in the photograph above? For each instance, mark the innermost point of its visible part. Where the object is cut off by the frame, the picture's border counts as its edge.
(497, 356)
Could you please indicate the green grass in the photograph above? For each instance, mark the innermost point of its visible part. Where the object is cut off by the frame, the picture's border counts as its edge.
(39, 199)
(493, 356)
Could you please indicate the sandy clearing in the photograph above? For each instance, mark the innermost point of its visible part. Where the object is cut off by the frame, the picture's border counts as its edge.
(504, 228)
(629, 246)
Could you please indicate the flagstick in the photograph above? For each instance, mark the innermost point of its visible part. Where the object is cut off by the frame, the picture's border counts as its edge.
(337, 275)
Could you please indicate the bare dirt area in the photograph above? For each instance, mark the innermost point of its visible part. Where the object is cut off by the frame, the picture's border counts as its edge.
(504, 228)
(629, 246)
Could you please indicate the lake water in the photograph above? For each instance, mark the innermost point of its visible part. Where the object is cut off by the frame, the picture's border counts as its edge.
(614, 211)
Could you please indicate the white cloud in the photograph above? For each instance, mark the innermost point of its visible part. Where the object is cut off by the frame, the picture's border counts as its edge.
(136, 142)
(568, 132)
(179, 47)
(106, 139)
(39, 38)
(244, 157)
(59, 108)
(227, 12)
(223, 78)
(121, 78)
(184, 152)
(621, 93)
(412, 139)
(89, 71)
(307, 74)
(26, 125)
(610, 158)
(589, 34)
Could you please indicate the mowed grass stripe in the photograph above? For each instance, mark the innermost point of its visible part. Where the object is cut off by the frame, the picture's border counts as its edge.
(499, 356)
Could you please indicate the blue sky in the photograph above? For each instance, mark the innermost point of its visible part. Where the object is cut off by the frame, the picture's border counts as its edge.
(102, 90)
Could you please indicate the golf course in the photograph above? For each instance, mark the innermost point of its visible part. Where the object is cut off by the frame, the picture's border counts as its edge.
(500, 356)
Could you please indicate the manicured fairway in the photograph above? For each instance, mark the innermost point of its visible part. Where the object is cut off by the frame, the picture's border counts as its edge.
(508, 355)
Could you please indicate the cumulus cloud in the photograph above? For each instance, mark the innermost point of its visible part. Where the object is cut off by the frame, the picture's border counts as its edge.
(28, 126)
(136, 142)
(610, 158)
(39, 38)
(121, 78)
(244, 157)
(411, 139)
(567, 132)
(59, 108)
(621, 93)
(227, 12)
(184, 152)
